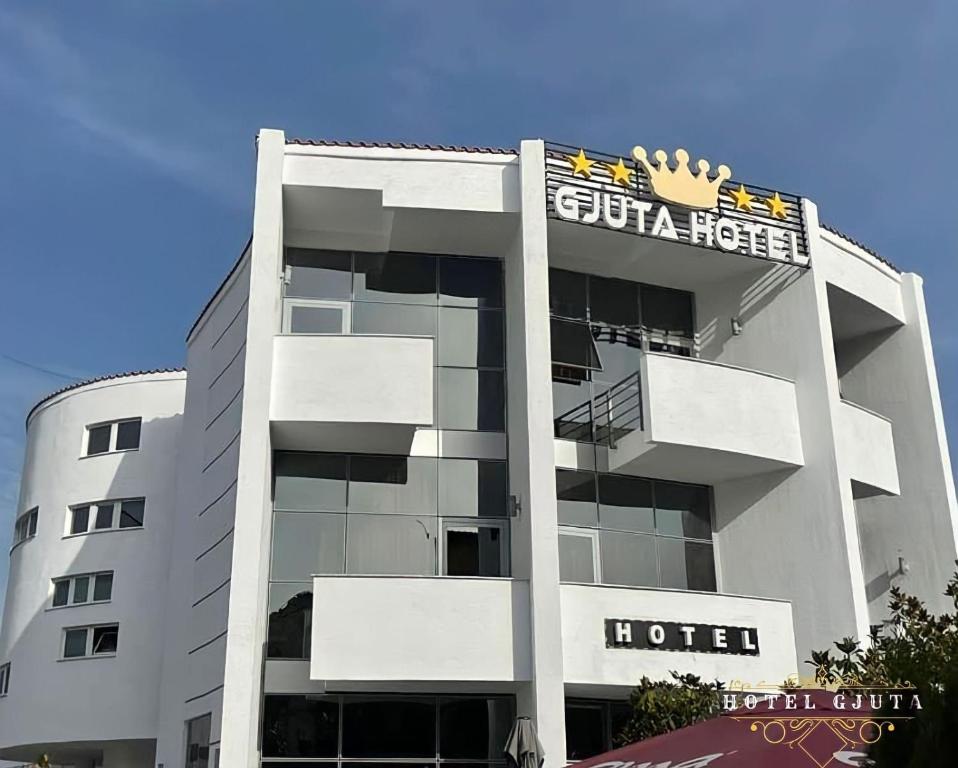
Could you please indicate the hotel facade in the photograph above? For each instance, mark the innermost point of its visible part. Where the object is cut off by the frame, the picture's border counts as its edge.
(468, 434)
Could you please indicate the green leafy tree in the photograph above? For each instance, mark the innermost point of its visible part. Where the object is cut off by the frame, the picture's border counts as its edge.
(914, 649)
(662, 706)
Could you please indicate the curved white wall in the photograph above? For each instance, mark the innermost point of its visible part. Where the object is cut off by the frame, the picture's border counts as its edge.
(51, 701)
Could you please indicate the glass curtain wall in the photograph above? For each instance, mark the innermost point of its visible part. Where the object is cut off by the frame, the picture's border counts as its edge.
(632, 531)
(456, 300)
(598, 328)
(389, 515)
(397, 730)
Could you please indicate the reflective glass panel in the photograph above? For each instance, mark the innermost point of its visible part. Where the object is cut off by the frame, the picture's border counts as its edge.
(682, 510)
(471, 400)
(406, 278)
(290, 621)
(473, 487)
(667, 309)
(471, 338)
(61, 592)
(389, 727)
(573, 344)
(628, 559)
(567, 293)
(470, 282)
(105, 639)
(104, 516)
(576, 558)
(613, 301)
(318, 274)
(305, 543)
(686, 564)
(575, 494)
(404, 485)
(394, 320)
(300, 726)
(474, 728)
(625, 503)
(316, 319)
(391, 544)
(310, 481)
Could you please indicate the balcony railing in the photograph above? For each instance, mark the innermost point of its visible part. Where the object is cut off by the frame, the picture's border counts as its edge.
(606, 418)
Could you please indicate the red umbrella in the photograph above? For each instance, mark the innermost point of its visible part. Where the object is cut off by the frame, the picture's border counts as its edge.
(819, 731)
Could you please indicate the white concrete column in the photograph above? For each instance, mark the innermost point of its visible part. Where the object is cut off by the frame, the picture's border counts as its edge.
(532, 465)
(246, 625)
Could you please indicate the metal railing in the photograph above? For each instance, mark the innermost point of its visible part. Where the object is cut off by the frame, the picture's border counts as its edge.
(606, 418)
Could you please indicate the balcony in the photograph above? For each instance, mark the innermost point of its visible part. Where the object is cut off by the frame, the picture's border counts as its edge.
(350, 392)
(866, 450)
(594, 668)
(693, 420)
(383, 628)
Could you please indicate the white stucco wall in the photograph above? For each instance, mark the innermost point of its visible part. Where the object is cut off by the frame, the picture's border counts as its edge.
(866, 447)
(41, 707)
(413, 629)
(352, 379)
(588, 662)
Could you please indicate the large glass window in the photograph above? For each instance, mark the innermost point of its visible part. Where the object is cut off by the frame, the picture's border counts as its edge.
(198, 742)
(372, 514)
(456, 300)
(598, 329)
(420, 730)
(633, 531)
(592, 726)
(106, 516)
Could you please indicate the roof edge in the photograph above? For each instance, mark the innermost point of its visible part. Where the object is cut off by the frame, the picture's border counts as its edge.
(859, 244)
(97, 380)
(220, 287)
(402, 145)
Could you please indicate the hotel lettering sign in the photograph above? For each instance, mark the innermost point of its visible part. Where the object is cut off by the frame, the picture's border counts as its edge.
(662, 198)
(680, 636)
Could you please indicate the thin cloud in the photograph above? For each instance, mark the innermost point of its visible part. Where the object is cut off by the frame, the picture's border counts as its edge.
(57, 77)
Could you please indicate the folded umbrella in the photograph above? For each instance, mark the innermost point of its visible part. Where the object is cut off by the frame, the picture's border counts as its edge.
(523, 749)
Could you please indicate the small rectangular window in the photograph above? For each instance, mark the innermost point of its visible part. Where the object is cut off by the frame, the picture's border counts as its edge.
(25, 526)
(5, 679)
(128, 435)
(105, 639)
(98, 439)
(104, 516)
(76, 590)
(74, 643)
(81, 589)
(61, 592)
(131, 513)
(81, 520)
(103, 587)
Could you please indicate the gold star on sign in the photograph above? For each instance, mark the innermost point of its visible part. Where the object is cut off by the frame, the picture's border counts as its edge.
(776, 206)
(620, 173)
(581, 164)
(743, 200)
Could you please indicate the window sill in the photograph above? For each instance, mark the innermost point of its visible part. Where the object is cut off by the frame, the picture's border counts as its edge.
(78, 605)
(19, 543)
(108, 453)
(89, 658)
(102, 530)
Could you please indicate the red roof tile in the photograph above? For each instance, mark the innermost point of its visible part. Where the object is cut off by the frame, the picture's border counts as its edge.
(402, 145)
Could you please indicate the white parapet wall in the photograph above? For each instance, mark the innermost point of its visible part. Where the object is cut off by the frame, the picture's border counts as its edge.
(866, 449)
(420, 629)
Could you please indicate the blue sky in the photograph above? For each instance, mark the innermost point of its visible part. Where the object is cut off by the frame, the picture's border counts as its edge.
(126, 137)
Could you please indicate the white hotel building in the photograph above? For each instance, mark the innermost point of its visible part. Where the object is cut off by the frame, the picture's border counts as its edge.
(459, 440)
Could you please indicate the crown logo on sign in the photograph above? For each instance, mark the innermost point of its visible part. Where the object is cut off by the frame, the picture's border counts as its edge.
(679, 185)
